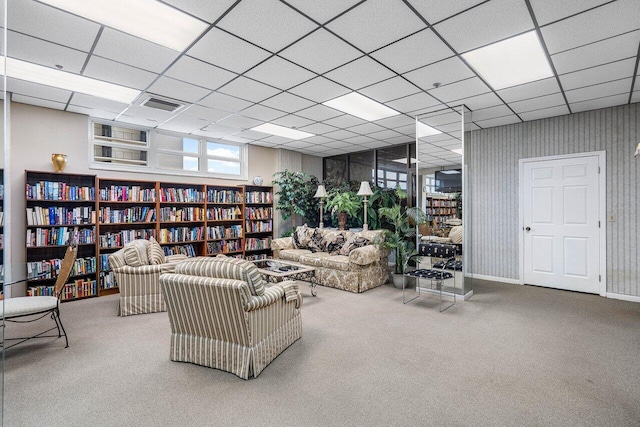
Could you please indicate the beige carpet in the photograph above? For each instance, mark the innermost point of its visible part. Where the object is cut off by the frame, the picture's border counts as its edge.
(512, 355)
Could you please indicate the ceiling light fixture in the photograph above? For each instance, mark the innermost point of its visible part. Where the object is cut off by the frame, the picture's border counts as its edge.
(511, 62)
(403, 160)
(458, 151)
(360, 106)
(423, 130)
(61, 79)
(147, 19)
(282, 131)
(451, 172)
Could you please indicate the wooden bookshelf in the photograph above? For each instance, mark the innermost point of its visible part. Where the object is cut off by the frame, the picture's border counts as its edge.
(258, 221)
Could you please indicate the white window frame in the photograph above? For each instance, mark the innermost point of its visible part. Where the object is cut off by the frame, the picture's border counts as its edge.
(153, 153)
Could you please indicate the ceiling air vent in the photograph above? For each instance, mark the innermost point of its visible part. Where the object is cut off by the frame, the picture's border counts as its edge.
(164, 104)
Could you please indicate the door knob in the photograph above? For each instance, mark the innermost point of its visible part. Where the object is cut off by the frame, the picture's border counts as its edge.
(528, 228)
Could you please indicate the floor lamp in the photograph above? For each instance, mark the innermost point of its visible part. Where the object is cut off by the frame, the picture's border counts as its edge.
(365, 190)
(321, 193)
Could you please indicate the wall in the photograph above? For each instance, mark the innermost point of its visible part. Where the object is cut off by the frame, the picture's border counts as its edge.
(493, 162)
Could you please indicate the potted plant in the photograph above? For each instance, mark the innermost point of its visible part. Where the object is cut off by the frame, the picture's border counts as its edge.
(343, 203)
(401, 237)
(295, 194)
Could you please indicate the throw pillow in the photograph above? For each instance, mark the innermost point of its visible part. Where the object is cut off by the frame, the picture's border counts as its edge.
(455, 235)
(133, 256)
(301, 237)
(316, 244)
(352, 242)
(333, 241)
(155, 252)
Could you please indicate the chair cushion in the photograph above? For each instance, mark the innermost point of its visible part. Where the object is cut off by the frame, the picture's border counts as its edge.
(336, 262)
(313, 259)
(293, 254)
(135, 253)
(27, 305)
(155, 252)
(427, 273)
(353, 241)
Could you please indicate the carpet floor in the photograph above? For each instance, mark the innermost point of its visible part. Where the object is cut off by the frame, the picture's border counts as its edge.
(511, 355)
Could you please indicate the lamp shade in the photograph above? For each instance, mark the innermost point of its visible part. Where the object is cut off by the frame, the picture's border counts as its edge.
(365, 189)
(320, 192)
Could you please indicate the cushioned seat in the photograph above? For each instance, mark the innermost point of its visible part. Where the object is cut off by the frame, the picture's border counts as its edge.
(337, 262)
(293, 254)
(314, 259)
(426, 273)
(14, 307)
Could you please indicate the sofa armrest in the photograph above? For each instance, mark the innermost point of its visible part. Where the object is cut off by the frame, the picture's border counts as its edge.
(282, 243)
(175, 258)
(366, 255)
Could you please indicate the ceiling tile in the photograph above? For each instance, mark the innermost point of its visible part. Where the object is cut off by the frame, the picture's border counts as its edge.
(292, 121)
(224, 102)
(480, 101)
(38, 102)
(443, 72)
(376, 144)
(120, 74)
(359, 73)
(276, 140)
(88, 101)
(460, 90)
(199, 73)
(248, 89)
(436, 11)
(35, 90)
(547, 11)
(131, 50)
(445, 117)
(598, 91)
(200, 112)
(488, 23)
(238, 121)
(601, 74)
(399, 140)
(500, 121)
(260, 112)
(636, 96)
(280, 73)
(235, 138)
(261, 22)
(44, 53)
(318, 139)
(204, 9)
(176, 89)
(287, 102)
(51, 24)
(319, 90)
(393, 88)
(183, 124)
(318, 129)
(322, 11)
(319, 113)
(98, 114)
(604, 102)
(412, 102)
(385, 134)
(360, 139)
(339, 144)
(344, 121)
(491, 113)
(147, 116)
(366, 128)
(545, 101)
(612, 19)
(218, 131)
(602, 52)
(295, 145)
(395, 121)
(227, 51)
(320, 52)
(530, 90)
(340, 134)
(376, 23)
(544, 113)
(251, 134)
(415, 51)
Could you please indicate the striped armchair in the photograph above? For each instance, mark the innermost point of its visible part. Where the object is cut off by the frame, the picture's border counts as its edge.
(138, 276)
(222, 316)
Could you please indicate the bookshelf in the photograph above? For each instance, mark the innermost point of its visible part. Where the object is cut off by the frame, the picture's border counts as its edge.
(182, 219)
(56, 204)
(440, 209)
(225, 221)
(258, 221)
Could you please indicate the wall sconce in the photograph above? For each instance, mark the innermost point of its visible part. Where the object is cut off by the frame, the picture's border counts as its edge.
(365, 190)
(321, 193)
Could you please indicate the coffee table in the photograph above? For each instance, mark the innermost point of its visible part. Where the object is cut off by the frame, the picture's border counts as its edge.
(275, 271)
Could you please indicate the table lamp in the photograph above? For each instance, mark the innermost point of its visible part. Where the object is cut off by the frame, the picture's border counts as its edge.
(365, 190)
(321, 193)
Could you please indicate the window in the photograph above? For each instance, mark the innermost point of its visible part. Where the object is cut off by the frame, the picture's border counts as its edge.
(124, 148)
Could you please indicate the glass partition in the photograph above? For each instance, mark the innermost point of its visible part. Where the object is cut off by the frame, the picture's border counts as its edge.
(3, 152)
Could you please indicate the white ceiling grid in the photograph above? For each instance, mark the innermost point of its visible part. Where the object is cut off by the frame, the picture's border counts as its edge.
(278, 60)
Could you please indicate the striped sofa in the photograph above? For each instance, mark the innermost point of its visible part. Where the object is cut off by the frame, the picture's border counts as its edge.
(222, 315)
(137, 268)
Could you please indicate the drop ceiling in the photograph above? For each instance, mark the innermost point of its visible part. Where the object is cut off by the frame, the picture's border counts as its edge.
(277, 61)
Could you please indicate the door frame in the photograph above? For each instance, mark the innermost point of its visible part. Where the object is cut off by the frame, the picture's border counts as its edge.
(602, 208)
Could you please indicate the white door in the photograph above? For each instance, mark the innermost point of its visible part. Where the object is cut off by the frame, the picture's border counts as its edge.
(561, 225)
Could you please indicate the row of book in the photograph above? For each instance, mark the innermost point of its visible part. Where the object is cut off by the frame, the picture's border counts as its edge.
(180, 234)
(134, 214)
(259, 226)
(50, 268)
(222, 214)
(104, 262)
(187, 250)
(224, 246)
(123, 193)
(1, 217)
(215, 195)
(108, 280)
(252, 244)
(58, 236)
(257, 257)
(258, 197)
(60, 215)
(80, 288)
(49, 190)
(258, 213)
(173, 214)
(121, 238)
(220, 232)
(181, 195)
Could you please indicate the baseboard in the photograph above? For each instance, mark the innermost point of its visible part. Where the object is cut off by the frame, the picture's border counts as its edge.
(495, 279)
(623, 297)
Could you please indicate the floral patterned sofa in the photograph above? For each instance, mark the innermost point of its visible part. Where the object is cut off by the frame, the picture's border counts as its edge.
(347, 260)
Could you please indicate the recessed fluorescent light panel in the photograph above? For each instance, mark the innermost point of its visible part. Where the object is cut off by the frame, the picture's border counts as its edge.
(423, 130)
(147, 19)
(61, 79)
(458, 151)
(451, 172)
(511, 62)
(360, 106)
(282, 131)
